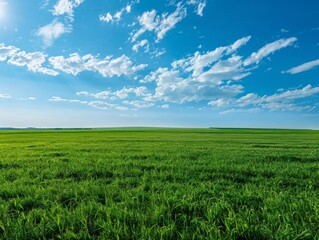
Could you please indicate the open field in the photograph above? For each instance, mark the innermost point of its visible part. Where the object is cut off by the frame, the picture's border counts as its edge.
(159, 184)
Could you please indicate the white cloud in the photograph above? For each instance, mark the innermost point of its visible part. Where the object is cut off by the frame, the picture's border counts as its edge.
(208, 76)
(52, 31)
(72, 65)
(33, 61)
(57, 27)
(144, 43)
(128, 8)
(233, 110)
(106, 18)
(139, 104)
(172, 87)
(200, 8)
(165, 106)
(102, 105)
(28, 99)
(59, 99)
(148, 22)
(200, 5)
(7, 52)
(160, 24)
(123, 93)
(168, 22)
(107, 67)
(5, 96)
(268, 49)
(283, 101)
(66, 7)
(157, 53)
(198, 62)
(116, 17)
(303, 67)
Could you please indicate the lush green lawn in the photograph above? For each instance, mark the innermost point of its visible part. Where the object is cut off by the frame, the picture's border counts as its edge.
(159, 184)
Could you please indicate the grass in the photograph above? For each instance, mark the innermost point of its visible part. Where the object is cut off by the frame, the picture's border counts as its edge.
(159, 184)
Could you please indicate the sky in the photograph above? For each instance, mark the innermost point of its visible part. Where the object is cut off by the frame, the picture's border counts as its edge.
(165, 63)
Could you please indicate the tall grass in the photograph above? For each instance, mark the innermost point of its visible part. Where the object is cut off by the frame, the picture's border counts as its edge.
(159, 184)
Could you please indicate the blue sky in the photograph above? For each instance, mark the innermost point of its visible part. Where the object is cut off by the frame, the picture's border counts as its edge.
(184, 63)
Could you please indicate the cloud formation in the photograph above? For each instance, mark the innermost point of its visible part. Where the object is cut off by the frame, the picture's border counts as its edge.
(284, 101)
(33, 61)
(52, 31)
(107, 67)
(142, 44)
(59, 26)
(116, 17)
(5, 96)
(210, 75)
(303, 67)
(199, 6)
(39, 62)
(269, 49)
(159, 24)
(67, 7)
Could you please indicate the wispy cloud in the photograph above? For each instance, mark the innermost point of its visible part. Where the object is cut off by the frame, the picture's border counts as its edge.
(5, 96)
(28, 99)
(123, 93)
(60, 24)
(53, 31)
(269, 49)
(283, 101)
(116, 17)
(139, 104)
(142, 44)
(160, 24)
(199, 6)
(303, 67)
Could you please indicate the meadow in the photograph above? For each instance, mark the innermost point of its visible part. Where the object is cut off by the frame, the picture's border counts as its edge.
(159, 184)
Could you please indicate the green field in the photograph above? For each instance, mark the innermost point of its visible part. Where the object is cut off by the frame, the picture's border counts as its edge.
(159, 184)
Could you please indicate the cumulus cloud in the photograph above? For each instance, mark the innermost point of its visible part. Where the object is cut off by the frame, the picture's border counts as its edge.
(66, 7)
(52, 31)
(107, 67)
(208, 76)
(33, 61)
(160, 24)
(74, 64)
(7, 51)
(172, 87)
(303, 67)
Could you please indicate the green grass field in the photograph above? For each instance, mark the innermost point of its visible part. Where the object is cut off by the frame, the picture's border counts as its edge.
(159, 184)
